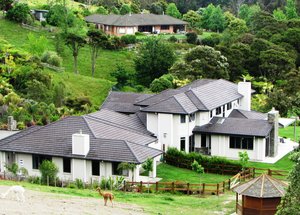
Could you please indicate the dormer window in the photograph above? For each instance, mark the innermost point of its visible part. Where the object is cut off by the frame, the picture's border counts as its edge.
(182, 118)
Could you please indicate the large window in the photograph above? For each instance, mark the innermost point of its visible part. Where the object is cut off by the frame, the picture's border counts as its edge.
(241, 142)
(218, 110)
(229, 105)
(182, 143)
(116, 171)
(38, 159)
(165, 27)
(67, 165)
(182, 118)
(96, 168)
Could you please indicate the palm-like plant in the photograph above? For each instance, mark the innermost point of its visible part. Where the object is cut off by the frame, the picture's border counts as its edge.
(127, 166)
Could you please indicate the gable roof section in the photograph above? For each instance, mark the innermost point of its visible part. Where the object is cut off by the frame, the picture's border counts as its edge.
(126, 121)
(203, 95)
(55, 139)
(123, 102)
(237, 113)
(134, 19)
(235, 126)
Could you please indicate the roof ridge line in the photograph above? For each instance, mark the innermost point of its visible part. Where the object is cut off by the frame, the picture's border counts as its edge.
(192, 91)
(179, 102)
(127, 143)
(251, 184)
(118, 126)
(270, 179)
(105, 99)
(242, 113)
(86, 122)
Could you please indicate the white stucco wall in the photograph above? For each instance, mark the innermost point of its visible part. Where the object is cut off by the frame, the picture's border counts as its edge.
(152, 123)
(165, 129)
(220, 147)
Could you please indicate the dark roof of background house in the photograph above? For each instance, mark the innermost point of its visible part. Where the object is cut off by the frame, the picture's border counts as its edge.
(108, 141)
(235, 126)
(237, 113)
(203, 95)
(134, 19)
(123, 102)
(263, 186)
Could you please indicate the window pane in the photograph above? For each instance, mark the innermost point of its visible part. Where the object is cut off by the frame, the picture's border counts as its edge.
(67, 165)
(232, 142)
(182, 118)
(182, 143)
(96, 168)
(238, 143)
(115, 168)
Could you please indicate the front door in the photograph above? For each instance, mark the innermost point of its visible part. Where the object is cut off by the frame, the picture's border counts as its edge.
(191, 144)
(203, 141)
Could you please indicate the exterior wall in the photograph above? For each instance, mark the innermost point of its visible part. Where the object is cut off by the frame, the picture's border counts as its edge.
(152, 123)
(220, 147)
(165, 129)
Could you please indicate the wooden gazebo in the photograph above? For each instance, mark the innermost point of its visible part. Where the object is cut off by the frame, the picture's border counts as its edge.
(260, 196)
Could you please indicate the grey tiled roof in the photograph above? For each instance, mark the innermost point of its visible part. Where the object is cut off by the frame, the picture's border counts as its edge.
(131, 121)
(263, 186)
(237, 113)
(134, 19)
(55, 139)
(123, 102)
(202, 95)
(236, 126)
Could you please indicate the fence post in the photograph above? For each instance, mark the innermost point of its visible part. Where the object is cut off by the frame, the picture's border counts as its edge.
(203, 188)
(188, 188)
(223, 186)
(156, 186)
(229, 182)
(173, 187)
(269, 172)
(217, 189)
(141, 187)
(124, 186)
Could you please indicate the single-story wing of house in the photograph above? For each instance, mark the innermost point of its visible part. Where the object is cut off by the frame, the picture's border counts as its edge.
(131, 23)
(85, 147)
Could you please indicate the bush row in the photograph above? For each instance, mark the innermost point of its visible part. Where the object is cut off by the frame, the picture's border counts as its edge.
(210, 163)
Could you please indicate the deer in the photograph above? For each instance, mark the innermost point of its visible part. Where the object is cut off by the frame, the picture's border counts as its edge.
(17, 190)
(106, 196)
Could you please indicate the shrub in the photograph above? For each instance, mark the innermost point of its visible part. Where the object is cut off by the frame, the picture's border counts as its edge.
(192, 38)
(122, 76)
(48, 170)
(212, 40)
(19, 13)
(160, 84)
(208, 162)
(43, 23)
(34, 179)
(13, 168)
(173, 39)
(139, 34)
(128, 39)
(79, 183)
(115, 43)
(51, 58)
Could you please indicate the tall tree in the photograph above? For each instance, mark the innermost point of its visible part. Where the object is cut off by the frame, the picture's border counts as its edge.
(202, 62)
(290, 9)
(154, 59)
(289, 203)
(96, 41)
(173, 11)
(193, 18)
(206, 16)
(125, 9)
(217, 20)
(75, 43)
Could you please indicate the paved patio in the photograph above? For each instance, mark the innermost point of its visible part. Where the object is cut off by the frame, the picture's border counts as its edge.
(283, 149)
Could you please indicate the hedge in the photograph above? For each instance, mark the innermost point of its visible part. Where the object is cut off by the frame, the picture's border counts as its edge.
(213, 164)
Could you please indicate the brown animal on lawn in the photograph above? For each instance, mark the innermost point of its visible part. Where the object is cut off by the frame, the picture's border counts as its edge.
(106, 196)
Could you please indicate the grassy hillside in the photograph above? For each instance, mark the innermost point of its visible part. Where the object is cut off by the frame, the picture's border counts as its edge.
(96, 88)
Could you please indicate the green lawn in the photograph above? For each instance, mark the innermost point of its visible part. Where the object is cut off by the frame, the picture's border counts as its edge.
(95, 88)
(171, 173)
(289, 132)
(283, 164)
(152, 203)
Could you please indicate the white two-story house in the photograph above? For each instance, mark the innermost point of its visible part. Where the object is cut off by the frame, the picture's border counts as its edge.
(213, 117)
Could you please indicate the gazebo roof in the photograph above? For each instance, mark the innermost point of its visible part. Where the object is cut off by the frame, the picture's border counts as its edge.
(263, 186)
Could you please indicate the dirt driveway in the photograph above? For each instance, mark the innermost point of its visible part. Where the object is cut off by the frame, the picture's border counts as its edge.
(48, 203)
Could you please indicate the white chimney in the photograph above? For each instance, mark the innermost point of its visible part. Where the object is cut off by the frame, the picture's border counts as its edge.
(80, 144)
(273, 117)
(244, 88)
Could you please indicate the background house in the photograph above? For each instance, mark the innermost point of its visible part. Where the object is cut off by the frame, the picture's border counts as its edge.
(131, 23)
